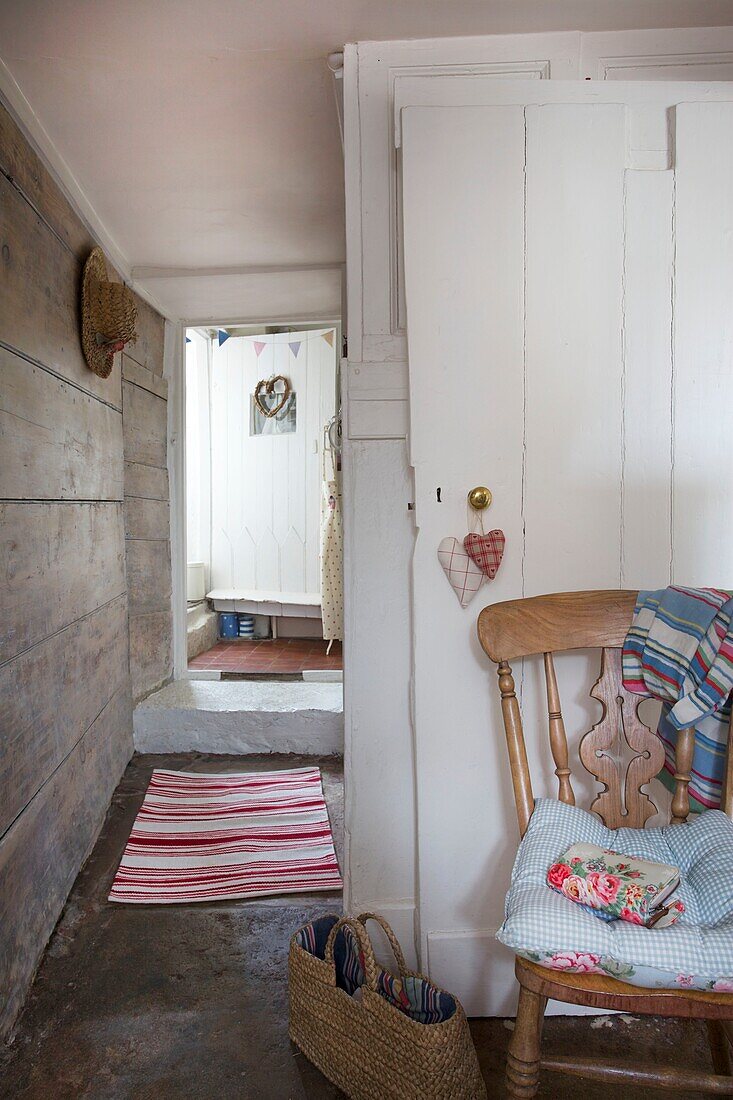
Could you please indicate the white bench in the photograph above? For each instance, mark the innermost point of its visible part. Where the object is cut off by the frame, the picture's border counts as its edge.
(300, 605)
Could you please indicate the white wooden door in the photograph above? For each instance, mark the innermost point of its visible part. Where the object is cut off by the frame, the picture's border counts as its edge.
(266, 489)
(568, 255)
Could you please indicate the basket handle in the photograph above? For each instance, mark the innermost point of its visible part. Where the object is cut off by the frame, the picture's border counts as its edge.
(393, 941)
(370, 966)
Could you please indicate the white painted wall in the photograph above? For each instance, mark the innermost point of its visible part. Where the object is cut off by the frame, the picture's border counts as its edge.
(266, 489)
(220, 296)
(198, 451)
(227, 118)
(379, 773)
(456, 930)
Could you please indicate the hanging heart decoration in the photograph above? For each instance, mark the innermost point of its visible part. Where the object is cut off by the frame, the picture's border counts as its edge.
(267, 388)
(464, 576)
(486, 551)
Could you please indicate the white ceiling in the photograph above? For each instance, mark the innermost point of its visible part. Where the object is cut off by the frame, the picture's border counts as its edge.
(204, 134)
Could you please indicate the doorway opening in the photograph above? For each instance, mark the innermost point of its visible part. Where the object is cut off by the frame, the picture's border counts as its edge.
(263, 503)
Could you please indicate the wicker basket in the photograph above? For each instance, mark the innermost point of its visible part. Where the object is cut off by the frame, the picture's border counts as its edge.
(364, 1043)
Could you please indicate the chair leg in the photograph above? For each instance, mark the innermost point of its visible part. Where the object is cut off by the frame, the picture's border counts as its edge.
(523, 1059)
(719, 1048)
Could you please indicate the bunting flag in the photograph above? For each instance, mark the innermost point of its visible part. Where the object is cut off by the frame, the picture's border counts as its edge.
(294, 345)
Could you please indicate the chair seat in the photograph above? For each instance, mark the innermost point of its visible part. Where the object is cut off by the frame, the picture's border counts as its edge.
(548, 929)
(599, 991)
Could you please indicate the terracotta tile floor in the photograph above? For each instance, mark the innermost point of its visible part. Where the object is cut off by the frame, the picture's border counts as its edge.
(285, 655)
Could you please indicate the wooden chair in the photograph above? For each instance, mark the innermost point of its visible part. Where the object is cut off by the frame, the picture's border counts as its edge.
(582, 620)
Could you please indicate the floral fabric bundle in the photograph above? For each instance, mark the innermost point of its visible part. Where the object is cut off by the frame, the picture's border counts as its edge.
(617, 887)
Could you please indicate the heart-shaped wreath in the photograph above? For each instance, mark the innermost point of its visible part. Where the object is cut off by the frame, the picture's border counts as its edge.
(268, 388)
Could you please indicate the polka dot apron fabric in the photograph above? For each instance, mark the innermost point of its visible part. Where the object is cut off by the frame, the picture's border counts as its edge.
(332, 577)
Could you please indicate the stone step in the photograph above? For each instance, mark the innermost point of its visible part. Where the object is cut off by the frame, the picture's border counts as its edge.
(202, 628)
(241, 716)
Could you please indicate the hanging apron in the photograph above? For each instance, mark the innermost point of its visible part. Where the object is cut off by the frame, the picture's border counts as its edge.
(332, 576)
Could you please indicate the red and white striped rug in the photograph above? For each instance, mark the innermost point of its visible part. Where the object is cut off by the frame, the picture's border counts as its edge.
(202, 837)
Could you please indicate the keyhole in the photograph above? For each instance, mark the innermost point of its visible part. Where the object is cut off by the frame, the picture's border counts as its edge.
(437, 493)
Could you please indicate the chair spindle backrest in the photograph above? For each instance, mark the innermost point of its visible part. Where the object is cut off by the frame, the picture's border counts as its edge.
(620, 751)
(558, 738)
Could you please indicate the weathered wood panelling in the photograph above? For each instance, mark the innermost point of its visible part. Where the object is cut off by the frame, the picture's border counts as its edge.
(146, 481)
(151, 651)
(56, 442)
(39, 297)
(147, 513)
(142, 376)
(57, 563)
(146, 519)
(32, 178)
(148, 348)
(52, 694)
(42, 852)
(148, 575)
(144, 425)
(65, 720)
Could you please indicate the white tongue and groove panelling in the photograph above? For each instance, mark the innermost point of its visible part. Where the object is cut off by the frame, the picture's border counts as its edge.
(572, 332)
(266, 493)
(377, 328)
(570, 343)
(383, 733)
(702, 516)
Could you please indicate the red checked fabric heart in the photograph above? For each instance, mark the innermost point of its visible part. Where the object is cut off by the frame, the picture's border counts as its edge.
(486, 551)
(464, 575)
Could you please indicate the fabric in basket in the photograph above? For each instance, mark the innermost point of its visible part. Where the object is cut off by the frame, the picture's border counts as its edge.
(696, 952)
(418, 999)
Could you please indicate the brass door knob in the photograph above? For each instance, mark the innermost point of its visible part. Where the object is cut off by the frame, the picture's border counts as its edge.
(480, 498)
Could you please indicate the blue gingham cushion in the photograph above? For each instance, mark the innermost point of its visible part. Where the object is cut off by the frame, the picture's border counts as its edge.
(697, 952)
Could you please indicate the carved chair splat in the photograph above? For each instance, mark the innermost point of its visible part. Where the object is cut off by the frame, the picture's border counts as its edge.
(621, 728)
(623, 755)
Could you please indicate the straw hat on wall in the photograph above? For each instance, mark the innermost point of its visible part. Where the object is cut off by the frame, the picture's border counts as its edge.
(108, 315)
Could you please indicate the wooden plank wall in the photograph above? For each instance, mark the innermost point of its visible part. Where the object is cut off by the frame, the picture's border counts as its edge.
(147, 510)
(68, 442)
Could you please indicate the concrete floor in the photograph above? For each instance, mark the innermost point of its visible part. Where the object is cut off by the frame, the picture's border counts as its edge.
(174, 1002)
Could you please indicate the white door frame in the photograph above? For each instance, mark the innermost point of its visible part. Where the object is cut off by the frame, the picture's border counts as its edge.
(175, 373)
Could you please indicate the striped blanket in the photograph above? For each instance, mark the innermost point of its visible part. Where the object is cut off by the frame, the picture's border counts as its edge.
(680, 650)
